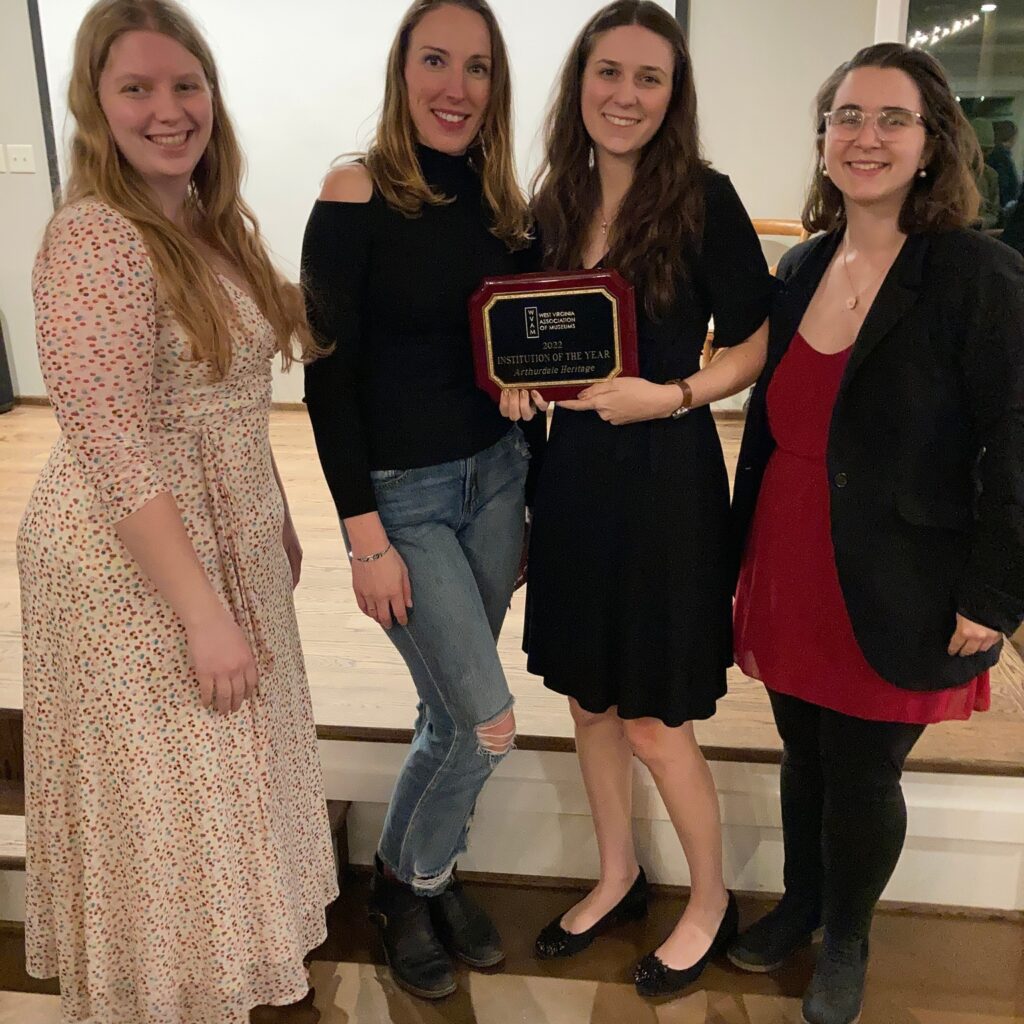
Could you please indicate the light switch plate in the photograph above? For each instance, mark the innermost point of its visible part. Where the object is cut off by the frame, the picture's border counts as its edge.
(3, 161)
(21, 160)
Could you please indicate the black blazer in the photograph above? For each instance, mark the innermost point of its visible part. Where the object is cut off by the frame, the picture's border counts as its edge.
(925, 451)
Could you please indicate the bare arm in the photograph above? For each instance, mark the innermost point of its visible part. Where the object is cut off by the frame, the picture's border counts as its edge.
(731, 370)
(632, 399)
(155, 537)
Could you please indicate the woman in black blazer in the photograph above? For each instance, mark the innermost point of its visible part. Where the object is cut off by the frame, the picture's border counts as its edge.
(879, 499)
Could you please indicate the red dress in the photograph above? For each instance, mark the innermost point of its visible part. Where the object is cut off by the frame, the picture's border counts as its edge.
(792, 629)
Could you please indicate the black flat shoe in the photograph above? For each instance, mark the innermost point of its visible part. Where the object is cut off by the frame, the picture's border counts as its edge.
(464, 927)
(653, 978)
(418, 961)
(555, 941)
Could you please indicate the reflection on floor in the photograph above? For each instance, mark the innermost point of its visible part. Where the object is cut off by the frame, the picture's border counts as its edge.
(926, 969)
(364, 994)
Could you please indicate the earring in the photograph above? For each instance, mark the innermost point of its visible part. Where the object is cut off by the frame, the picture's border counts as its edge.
(824, 171)
(922, 173)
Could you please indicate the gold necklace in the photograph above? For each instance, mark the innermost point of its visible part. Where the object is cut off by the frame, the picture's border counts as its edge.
(607, 222)
(854, 300)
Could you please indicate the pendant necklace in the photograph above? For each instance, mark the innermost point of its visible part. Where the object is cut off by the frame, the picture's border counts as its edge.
(854, 300)
(606, 222)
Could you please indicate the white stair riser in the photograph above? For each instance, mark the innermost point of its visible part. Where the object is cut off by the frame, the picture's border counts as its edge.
(965, 843)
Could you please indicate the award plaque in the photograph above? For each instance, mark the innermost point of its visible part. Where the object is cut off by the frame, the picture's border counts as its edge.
(554, 333)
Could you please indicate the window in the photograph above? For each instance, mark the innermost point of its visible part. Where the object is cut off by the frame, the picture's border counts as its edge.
(981, 47)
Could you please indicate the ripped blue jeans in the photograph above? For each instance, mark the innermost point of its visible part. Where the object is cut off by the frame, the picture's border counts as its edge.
(459, 528)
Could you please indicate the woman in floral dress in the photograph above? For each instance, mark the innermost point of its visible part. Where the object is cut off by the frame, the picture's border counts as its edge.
(179, 854)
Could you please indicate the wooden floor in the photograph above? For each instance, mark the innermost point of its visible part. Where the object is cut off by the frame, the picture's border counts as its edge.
(360, 686)
(925, 969)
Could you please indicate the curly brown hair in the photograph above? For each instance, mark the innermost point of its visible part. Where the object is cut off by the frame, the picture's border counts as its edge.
(391, 159)
(662, 214)
(948, 196)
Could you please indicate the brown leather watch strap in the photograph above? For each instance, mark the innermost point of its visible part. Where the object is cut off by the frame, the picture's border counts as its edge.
(684, 408)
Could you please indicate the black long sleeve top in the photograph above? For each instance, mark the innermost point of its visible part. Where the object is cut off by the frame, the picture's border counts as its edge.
(390, 293)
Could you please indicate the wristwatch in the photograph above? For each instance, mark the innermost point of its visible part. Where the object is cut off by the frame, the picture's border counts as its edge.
(687, 398)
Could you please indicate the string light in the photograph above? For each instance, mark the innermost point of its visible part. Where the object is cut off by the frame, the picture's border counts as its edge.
(924, 39)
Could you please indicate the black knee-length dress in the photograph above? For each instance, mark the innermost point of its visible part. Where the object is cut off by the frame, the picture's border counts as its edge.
(631, 572)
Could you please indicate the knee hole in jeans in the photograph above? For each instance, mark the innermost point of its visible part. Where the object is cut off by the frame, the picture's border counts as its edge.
(497, 737)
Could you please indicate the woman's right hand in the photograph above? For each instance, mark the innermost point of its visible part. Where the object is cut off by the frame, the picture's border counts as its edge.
(382, 589)
(519, 404)
(223, 662)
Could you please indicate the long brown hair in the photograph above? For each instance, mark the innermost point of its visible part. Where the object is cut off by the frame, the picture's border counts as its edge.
(947, 197)
(662, 214)
(220, 216)
(391, 159)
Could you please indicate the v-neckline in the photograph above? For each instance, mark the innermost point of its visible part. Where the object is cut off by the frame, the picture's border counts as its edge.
(236, 286)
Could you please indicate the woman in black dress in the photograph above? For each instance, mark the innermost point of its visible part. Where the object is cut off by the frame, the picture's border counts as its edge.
(629, 602)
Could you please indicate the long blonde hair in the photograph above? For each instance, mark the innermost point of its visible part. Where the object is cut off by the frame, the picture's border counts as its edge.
(391, 159)
(221, 218)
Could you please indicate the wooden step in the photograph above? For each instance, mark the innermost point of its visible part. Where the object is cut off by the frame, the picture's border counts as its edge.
(12, 842)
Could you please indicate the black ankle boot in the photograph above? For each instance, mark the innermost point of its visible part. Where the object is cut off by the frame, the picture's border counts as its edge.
(412, 949)
(555, 941)
(771, 941)
(464, 927)
(836, 992)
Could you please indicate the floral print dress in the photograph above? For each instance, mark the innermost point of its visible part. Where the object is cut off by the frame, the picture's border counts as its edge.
(178, 862)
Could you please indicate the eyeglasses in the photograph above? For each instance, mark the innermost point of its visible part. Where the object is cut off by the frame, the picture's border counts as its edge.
(890, 122)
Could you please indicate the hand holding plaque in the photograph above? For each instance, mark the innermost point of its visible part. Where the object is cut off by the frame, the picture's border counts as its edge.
(553, 333)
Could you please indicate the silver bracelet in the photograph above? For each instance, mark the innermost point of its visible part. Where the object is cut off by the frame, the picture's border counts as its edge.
(370, 558)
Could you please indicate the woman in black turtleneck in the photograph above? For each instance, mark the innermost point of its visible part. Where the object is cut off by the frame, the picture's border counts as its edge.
(426, 474)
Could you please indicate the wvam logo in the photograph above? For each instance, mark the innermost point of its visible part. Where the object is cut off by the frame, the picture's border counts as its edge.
(532, 323)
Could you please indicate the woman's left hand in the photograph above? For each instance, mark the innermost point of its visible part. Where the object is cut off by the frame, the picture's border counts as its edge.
(292, 548)
(972, 638)
(627, 400)
(520, 404)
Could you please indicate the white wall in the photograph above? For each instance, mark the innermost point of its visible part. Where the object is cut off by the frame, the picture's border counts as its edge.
(891, 20)
(25, 201)
(303, 82)
(758, 68)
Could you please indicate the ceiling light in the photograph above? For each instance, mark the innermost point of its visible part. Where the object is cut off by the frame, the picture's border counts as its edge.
(939, 33)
